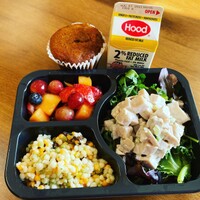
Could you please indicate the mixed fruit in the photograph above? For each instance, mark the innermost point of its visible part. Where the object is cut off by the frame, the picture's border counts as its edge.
(62, 101)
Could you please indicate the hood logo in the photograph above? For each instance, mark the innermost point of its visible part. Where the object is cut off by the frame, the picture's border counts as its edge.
(136, 28)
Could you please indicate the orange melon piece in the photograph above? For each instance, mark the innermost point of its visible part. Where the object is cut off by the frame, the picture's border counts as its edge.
(49, 103)
(39, 116)
(85, 80)
(84, 112)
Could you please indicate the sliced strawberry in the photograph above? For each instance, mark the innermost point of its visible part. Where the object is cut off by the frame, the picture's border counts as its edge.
(86, 91)
(97, 93)
(90, 93)
(64, 94)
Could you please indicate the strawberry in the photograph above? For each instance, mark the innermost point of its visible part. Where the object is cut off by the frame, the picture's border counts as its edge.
(96, 92)
(64, 94)
(86, 91)
(90, 93)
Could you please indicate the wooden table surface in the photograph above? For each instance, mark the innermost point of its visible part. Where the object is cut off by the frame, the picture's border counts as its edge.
(26, 26)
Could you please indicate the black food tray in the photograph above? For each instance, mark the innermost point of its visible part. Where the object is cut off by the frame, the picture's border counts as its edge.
(23, 132)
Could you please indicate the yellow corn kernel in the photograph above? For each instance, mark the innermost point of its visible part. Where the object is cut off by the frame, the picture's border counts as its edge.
(62, 151)
(97, 180)
(76, 167)
(107, 166)
(83, 181)
(46, 142)
(95, 176)
(62, 137)
(54, 170)
(31, 169)
(19, 167)
(58, 141)
(69, 137)
(41, 187)
(76, 141)
(41, 150)
(35, 151)
(104, 183)
(37, 177)
(48, 173)
(31, 184)
(90, 157)
(70, 146)
(96, 166)
(112, 178)
(77, 154)
(90, 144)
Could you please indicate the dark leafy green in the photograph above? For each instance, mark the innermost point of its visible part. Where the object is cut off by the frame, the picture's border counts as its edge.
(177, 162)
(155, 89)
(130, 83)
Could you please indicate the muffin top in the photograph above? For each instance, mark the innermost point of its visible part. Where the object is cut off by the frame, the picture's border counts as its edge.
(76, 43)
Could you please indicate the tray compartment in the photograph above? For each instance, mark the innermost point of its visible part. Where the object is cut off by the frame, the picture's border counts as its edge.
(30, 134)
(183, 90)
(100, 81)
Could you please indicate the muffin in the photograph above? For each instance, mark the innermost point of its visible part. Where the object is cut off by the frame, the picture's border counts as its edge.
(79, 46)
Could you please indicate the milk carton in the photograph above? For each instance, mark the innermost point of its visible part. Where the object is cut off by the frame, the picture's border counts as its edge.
(134, 35)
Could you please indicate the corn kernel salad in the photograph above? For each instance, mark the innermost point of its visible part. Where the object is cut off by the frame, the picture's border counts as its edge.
(66, 161)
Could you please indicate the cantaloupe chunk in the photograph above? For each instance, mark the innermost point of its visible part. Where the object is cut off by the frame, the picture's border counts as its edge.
(84, 112)
(39, 116)
(85, 80)
(49, 103)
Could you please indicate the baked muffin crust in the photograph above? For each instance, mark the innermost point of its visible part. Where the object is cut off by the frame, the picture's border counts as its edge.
(76, 43)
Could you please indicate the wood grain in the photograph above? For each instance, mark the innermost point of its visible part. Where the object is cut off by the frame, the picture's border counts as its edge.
(26, 26)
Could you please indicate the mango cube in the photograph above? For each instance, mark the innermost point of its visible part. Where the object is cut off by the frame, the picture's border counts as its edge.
(85, 80)
(39, 116)
(49, 103)
(84, 112)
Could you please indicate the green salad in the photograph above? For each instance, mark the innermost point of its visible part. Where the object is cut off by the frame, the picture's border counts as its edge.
(147, 129)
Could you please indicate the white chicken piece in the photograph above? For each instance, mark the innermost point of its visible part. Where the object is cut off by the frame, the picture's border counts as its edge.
(140, 104)
(150, 161)
(180, 115)
(118, 151)
(122, 131)
(144, 134)
(142, 122)
(126, 117)
(163, 113)
(144, 148)
(108, 124)
(126, 145)
(123, 113)
(118, 130)
(154, 121)
(123, 104)
(178, 130)
(168, 136)
(146, 113)
(144, 93)
(164, 147)
(157, 101)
